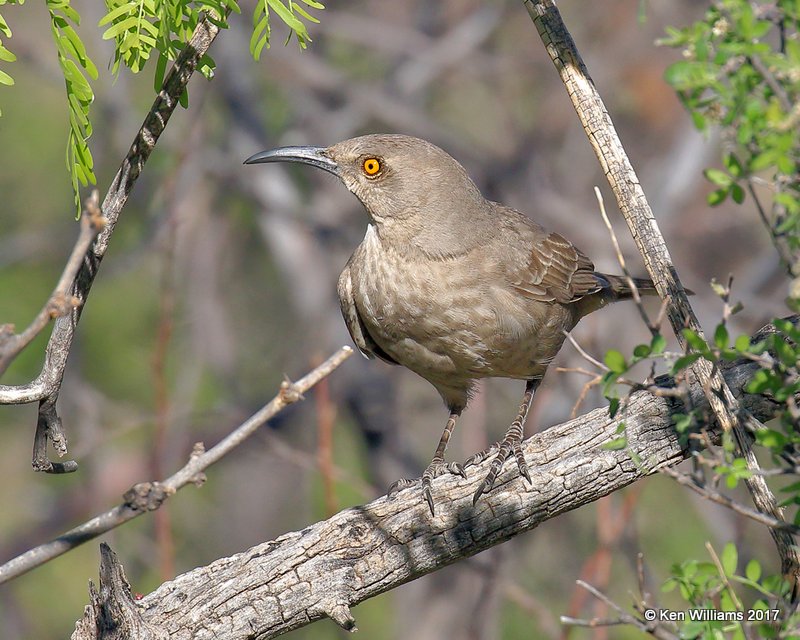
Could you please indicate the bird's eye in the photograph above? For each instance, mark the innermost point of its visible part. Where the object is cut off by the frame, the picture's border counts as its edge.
(371, 166)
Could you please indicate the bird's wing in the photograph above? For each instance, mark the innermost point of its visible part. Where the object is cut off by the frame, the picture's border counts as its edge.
(556, 271)
(355, 325)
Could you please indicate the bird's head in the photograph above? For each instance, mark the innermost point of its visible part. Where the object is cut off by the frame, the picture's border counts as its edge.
(395, 177)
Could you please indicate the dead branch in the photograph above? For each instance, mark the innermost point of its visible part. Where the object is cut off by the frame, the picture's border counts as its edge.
(149, 496)
(60, 303)
(45, 388)
(643, 227)
(361, 552)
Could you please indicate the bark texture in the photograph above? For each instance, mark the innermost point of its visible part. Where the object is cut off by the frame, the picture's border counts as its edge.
(363, 551)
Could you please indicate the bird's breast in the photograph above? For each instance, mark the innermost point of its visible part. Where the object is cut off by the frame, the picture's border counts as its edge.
(448, 317)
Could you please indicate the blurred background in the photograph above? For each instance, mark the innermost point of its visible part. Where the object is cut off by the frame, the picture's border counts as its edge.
(220, 280)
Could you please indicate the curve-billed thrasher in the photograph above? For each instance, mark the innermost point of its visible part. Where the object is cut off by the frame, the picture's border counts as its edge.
(451, 285)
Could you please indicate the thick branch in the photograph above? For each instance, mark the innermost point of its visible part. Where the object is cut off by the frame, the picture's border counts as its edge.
(45, 388)
(643, 227)
(361, 552)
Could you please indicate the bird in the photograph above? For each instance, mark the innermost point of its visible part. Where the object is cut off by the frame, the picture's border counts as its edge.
(453, 286)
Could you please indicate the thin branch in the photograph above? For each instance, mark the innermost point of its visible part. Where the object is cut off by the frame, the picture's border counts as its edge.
(772, 83)
(710, 494)
(651, 628)
(779, 243)
(645, 231)
(45, 388)
(584, 353)
(149, 496)
(721, 571)
(637, 299)
(60, 303)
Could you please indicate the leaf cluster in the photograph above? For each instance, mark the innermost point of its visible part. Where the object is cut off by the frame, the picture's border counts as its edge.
(711, 585)
(141, 30)
(741, 72)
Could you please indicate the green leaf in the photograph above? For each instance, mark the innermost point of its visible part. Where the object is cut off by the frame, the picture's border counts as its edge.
(682, 422)
(305, 13)
(684, 361)
(695, 341)
(721, 336)
(717, 197)
(641, 350)
(616, 444)
(658, 344)
(615, 361)
(5, 78)
(123, 9)
(742, 343)
(733, 165)
(717, 177)
(737, 194)
(771, 439)
(287, 16)
(120, 27)
(6, 55)
(792, 488)
(161, 68)
(729, 559)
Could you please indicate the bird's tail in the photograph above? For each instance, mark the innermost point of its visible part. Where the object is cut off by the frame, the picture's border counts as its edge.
(619, 287)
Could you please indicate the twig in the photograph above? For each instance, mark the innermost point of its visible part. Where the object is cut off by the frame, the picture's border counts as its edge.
(637, 299)
(721, 571)
(584, 354)
(45, 388)
(779, 243)
(688, 481)
(149, 496)
(60, 303)
(624, 616)
(652, 628)
(772, 83)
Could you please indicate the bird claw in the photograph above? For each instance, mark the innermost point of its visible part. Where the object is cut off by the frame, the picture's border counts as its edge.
(433, 470)
(505, 449)
(477, 458)
(402, 483)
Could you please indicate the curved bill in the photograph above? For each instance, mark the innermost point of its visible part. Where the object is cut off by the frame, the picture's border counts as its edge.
(305, 155)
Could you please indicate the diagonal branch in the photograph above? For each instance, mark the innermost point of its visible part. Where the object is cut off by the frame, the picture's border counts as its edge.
(60, 303)
(361, 552)
(643, 227)
(45, 388)
(149, 496)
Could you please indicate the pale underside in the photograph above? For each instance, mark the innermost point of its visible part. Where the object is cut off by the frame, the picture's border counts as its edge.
(455, 319)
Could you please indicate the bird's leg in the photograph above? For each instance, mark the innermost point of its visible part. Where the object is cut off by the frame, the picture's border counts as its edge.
(510, 444)
(437, 466)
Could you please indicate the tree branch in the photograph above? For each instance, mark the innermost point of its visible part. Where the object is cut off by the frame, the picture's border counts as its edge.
(361, 552)
(45, 388)
(643, 227)
(60, 303)
(149, 496)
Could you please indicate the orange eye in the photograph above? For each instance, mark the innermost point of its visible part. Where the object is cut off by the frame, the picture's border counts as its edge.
(371, 166)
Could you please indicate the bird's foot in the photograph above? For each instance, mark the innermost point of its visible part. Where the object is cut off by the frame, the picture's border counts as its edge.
(433, 470)
(510, 445)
